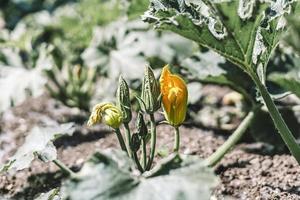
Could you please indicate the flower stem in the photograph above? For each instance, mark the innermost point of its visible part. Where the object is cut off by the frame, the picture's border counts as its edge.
(283, 129)
(231, 141)
(128, 138)
(176, 140)
(144, 154)
(64, 168)
(153, 142)
(59, 164)
(137, 162)
(121, 141)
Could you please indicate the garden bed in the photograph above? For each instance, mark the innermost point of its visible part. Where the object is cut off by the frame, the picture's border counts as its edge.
(222, 76)
(248, 172)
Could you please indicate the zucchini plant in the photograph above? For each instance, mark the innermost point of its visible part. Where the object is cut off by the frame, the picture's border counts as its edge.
(244, 32)
(127, 174)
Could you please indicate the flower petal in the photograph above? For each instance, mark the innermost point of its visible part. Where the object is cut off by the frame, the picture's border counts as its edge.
(174, 97)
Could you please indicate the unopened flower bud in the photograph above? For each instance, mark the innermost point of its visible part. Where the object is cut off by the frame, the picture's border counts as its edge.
(123, 100)
(91, 74)
(141, 126)
(150, 96)
(77, 70)
(108, 113)
(135, 142)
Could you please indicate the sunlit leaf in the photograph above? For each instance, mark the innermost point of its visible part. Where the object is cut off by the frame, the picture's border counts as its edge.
(244, 32)
(136, 7)
(209, 67)
(124, 48)
(38, 141)
(71, 19)
(51, 195)
(30, 83)
(111, 175)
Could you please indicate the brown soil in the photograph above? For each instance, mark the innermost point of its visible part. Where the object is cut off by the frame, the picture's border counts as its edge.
(245, 173)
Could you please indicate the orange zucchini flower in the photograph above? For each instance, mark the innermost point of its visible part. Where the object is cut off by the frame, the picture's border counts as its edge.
(174, 97)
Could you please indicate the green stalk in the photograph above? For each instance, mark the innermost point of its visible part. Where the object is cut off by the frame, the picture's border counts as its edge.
(121, 141)
(153, 142)
(59, 164)
(137, 162)
(231, 141)
(128, 139)
(283, 129)
(144, 154)
(64, 168)
(176, 139)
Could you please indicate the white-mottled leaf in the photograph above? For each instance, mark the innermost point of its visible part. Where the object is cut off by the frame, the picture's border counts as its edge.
(195, 93)
(210, 67)
(39, 140)
(203, 65)
(244, 32)
(51, 195)
(17, 83)
(111, 175)
(123, 47)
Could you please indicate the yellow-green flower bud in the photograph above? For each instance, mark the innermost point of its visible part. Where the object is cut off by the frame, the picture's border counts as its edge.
(77, 71)
(123, 100)
(150, 96)
(108, 113)
(141, 126)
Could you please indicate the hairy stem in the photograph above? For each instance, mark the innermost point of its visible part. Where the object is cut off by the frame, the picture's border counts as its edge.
(176, 139)
(121, 141)
(128, 139)
(280, 124)
(153, 142)
(144, 153)
(231, 141)
(64, 168)
(137, 162)
(59, 164)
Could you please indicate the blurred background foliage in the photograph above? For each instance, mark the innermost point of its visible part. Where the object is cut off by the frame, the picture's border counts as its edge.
(76, 49)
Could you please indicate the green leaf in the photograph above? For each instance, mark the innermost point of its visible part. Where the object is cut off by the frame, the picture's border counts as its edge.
(78, 27)
(51, 195)
(262, 127)
(38, 141)
(209, 67)
(204, 65)
(134, 41)
(293, 36)
(244, 32)
(30, 83)
(289, 81)
(111, 175)
(136, 8)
